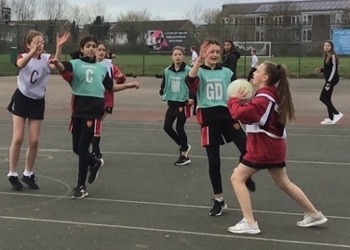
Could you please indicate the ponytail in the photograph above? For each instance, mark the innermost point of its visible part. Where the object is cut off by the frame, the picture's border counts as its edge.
(278, 76)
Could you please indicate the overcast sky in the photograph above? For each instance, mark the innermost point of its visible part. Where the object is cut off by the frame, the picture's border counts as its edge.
(165, 9)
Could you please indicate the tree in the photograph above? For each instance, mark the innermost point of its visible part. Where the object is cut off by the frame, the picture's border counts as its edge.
(74, 32)
(85, 14)
(195, 14)
(129, 20)
(52, 9)
(99, 28)
(51, 32)
(280, 28)
(24, 9)
(134, 16)
(3, 3)
(211, 16)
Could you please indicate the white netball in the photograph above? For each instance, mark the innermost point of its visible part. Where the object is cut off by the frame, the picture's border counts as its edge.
(234, 86)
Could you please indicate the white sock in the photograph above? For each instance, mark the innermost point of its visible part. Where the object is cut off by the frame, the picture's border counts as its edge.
(27, 173)
(12, 174)
(220, 199)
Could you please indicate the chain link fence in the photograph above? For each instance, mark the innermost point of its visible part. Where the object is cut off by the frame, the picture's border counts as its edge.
(294, 45)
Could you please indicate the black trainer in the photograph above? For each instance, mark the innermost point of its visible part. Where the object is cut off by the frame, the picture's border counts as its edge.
(30, 181)
(79, 192)
(183, 160)
(218, 207)
(93, 173)
(16, 184)
(250, 184)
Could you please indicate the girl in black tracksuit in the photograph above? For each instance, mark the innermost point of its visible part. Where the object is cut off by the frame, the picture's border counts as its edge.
(330, 72)
(175, 91)
(88, 80)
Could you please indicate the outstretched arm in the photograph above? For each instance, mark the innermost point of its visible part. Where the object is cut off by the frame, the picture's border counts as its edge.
(128, 85)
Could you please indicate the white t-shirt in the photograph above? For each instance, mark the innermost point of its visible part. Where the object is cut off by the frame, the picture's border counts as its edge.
(255, 61)
(33, 78)
(194, 56)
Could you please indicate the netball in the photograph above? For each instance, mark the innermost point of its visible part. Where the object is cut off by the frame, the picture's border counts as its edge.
(240, 83)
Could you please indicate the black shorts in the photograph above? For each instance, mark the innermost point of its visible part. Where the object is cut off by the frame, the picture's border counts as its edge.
(219, 133)
(26, 107)
(263, 165)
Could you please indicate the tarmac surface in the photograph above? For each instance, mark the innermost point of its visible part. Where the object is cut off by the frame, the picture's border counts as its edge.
(142, 201)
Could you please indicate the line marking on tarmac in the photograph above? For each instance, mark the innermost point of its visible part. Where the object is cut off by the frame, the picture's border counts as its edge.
(149, 229)
(193, 129)
(58, 197)
(193, 156)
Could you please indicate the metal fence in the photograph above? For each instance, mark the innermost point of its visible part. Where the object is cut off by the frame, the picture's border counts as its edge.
(296, 42)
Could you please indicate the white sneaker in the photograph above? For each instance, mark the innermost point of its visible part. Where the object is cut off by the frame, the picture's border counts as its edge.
(310, 221)
(337, 117)
(327, 121)
(243, 227)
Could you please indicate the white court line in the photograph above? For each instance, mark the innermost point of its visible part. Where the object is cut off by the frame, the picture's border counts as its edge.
(149, 229)
(196, 129)
(160, 204)
(193, 156)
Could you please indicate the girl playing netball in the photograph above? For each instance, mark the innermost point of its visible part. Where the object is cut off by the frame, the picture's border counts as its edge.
(28, 103)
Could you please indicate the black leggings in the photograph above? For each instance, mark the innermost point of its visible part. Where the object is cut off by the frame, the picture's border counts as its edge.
(251, 74)
(326, 98)
(179, 136)
(213, 153)
(82, 134)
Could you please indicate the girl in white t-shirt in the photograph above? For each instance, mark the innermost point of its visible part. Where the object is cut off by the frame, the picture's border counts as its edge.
(28, 103)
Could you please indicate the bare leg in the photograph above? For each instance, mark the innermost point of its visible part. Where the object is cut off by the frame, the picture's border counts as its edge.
(33, 143)
(238, 179)
(279, 175)
(16, 143)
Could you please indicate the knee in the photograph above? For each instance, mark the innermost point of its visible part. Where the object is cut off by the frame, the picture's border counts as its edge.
(236, 177)
(17, 142)
(180, 130)
(34, 144)
(167, 127)
(322, 99)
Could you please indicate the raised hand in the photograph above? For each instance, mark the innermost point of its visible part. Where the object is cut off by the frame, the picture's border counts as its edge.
(203, 52)
(60, 40)
(38, 44)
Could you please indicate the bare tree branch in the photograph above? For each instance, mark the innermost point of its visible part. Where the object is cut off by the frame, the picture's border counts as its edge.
(24, 9)
(134, 16)
(52, 9)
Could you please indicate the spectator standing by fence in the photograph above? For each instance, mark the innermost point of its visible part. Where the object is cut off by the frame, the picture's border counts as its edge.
(230, 57)
(331, 76)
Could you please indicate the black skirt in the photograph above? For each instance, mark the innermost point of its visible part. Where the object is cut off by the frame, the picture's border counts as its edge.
(26, 107)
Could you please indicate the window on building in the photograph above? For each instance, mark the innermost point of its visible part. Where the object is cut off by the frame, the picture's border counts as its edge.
(306, 35)
(260, 21)
(234, 21)
(225, 20)
(307, 19)
(295, 36)
(347, 16)
(111, 36)
(338, 18)
(259, 35)
(295, 20)
(278, 20)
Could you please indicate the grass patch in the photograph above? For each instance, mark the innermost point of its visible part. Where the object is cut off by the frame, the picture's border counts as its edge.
(149, 65)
